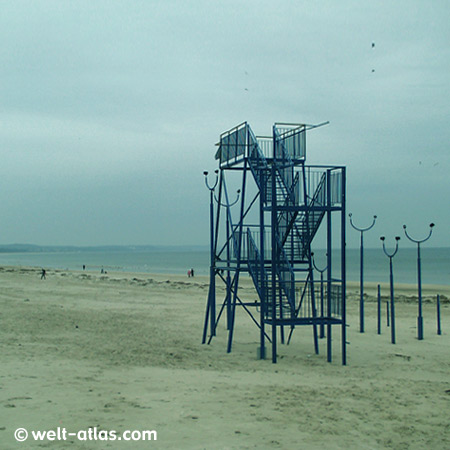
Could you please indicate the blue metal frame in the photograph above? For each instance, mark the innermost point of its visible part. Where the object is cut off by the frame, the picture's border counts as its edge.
(276, 250)
(228, 237)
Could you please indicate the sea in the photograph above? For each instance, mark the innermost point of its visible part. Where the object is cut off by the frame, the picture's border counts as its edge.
(435, 262)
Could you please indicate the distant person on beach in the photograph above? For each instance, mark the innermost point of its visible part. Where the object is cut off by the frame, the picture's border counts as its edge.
(43, 274)
(192, 272)
(189, 274)
(84, 267)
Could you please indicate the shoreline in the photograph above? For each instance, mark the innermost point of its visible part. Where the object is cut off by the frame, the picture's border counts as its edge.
(404, 290)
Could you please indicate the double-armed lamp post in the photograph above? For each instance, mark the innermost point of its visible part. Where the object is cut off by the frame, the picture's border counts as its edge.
(361, 274)
(419, 278)
(391, 279)
(211, 308)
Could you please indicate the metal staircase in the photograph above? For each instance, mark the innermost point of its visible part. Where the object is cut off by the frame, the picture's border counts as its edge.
(293, 233)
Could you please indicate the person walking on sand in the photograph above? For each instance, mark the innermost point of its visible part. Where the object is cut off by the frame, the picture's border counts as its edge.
(43, 274)
(192, 272)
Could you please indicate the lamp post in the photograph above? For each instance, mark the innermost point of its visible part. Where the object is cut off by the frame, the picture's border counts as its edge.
(419, 278)
(228, 297)
(361, 273)
(321, 271)
(211, 309)
(391, 279)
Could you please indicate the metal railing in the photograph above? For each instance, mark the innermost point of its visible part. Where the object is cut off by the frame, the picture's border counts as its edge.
(233, 144)
(266, 146)
(286, 275)
(256, 268)
(335, 308)
(293, 138)
(315, 176)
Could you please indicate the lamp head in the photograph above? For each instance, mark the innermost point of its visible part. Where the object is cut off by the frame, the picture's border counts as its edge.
(216, 171)
(397, 238)
(205, 173)
(374, 217)
(382, 238)
(349, 214)
(404, 227)
(431, 225)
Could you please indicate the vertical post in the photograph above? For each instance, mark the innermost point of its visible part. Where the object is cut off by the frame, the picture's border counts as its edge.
(205, 326)
(391, 277)
(274, 257)
(228, 294)
(361, 285)
(343, 272)
(419, 285)
(379, 310)
(322, 326)
(212, 275)
(280, 296)
(262, 272)
(438, 312)
(387, 314)
(329, 271)
(313, 303)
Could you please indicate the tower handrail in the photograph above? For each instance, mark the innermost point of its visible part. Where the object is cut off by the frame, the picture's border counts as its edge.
(254, 255)
(306, 215)
(288, 183)
(290, 295)
(287, 133)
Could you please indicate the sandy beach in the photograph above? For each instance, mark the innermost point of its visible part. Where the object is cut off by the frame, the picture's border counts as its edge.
(123, 352)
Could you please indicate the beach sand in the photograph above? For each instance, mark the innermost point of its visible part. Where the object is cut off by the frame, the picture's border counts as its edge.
(123, 352)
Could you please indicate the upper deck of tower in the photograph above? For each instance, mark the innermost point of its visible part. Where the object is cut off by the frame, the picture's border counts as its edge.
(287, 141)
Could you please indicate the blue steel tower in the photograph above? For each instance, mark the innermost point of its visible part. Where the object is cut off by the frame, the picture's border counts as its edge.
(269, 234)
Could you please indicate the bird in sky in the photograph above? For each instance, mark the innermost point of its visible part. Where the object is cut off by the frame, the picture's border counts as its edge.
(373, 45)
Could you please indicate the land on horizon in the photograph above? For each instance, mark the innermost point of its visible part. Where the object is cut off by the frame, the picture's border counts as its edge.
(34, 248)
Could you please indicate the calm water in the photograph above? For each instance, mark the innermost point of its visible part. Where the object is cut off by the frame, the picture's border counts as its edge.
(435, 263)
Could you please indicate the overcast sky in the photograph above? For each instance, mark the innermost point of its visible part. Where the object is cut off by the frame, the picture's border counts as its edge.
(110, 110)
